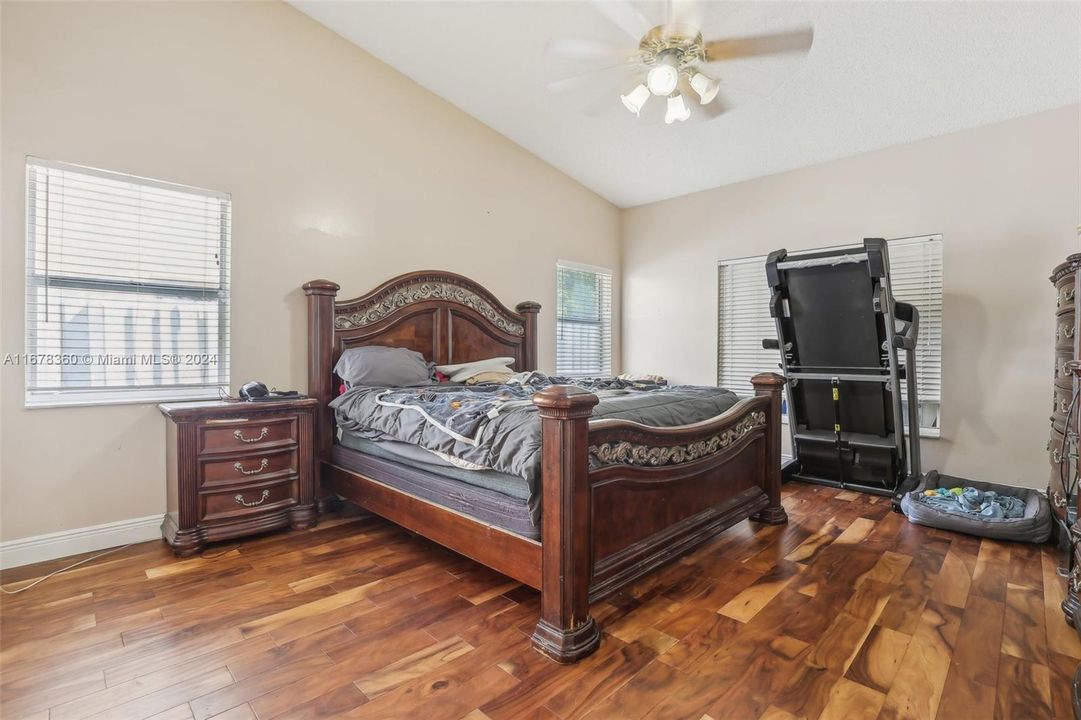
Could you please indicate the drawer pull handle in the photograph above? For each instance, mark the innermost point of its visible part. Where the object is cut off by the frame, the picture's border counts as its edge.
(239, 467)
(240, 499)
(239, 435)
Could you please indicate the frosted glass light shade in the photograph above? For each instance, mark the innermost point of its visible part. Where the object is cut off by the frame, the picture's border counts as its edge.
(635, 99)
(662, 79)
(705, 86)
(677, 109)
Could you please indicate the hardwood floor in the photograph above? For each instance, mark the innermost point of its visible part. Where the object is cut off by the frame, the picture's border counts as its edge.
(847, 612)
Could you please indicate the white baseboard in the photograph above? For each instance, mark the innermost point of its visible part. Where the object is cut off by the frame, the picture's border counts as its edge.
(39, 548)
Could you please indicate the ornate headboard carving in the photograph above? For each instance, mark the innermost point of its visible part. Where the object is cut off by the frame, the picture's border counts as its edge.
(446, 317)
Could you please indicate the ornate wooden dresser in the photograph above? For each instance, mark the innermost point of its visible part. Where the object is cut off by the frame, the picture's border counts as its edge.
(237, 468)
(1065, 425)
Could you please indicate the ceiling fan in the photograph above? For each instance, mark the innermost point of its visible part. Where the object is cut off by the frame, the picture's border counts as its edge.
(672, 60)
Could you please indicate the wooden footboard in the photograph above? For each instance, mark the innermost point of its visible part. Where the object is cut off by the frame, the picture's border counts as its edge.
(621, 498)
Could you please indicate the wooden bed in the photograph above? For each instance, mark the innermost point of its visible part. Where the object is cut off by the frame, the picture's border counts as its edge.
(651, 494)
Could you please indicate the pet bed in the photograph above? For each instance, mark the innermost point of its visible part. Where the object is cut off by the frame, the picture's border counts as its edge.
(1033, 526)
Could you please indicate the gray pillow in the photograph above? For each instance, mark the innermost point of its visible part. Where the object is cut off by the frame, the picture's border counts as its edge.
(379, 366)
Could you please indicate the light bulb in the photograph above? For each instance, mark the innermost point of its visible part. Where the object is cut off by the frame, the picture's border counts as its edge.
(677, 109)
(663, 76)
(635, 99)
(705, 86)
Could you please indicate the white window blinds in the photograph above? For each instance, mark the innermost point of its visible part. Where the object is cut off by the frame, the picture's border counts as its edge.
(127, 287)
(744, 320)
(916, 278)
(583, 320)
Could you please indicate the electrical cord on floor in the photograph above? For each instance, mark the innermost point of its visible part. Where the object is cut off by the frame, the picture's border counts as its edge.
(61, 570)
(95, 557)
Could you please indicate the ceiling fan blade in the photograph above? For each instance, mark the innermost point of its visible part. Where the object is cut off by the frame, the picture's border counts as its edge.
(755, 45)
(588, 78)
(685, 12)
(600, 96)
(583, 50)
(603, 105)
(625, 16)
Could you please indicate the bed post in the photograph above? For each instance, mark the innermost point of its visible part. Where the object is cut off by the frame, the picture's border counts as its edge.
(321, 294)
(770, 385)
(565, 632)
(528, 310)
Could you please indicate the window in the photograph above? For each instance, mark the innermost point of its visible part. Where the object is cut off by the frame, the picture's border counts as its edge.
(583, 320)
(916, 278)
(744, 320)
(127, 288)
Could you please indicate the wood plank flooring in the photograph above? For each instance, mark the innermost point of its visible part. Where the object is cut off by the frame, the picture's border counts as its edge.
(847, 612)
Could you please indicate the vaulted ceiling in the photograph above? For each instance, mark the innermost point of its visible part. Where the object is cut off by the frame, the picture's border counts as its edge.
(878, 74)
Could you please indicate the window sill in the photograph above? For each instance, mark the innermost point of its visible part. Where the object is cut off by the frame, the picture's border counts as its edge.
(91, 398)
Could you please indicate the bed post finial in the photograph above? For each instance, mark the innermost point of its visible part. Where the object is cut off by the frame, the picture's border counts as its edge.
(771, 385)
(321, 294)
(566, 631)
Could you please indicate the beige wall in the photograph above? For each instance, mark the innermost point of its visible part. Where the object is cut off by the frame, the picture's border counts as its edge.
(1006, 200)
(339, 167)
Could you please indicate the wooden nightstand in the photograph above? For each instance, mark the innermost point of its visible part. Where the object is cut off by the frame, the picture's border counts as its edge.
(235, 469)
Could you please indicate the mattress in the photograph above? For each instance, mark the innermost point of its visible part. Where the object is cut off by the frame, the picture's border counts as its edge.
(498, 427)
(492, 497)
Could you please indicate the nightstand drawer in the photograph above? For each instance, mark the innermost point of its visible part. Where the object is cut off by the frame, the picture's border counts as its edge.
(239, 502)
(255, 467)
(235, 434)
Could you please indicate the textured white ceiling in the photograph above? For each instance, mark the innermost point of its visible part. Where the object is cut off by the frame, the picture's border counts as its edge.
(879, 74)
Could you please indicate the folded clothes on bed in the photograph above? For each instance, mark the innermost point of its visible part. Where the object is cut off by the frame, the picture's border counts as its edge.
(970, 501)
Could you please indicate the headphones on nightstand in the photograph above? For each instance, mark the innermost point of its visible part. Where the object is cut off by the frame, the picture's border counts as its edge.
(256, 391)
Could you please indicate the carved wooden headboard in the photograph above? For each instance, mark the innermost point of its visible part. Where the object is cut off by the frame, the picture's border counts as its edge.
(446, 317)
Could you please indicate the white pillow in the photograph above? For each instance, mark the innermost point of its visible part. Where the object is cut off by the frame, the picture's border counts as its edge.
(461, 372)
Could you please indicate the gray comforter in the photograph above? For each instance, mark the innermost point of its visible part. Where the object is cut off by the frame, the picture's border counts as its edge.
(507, 437)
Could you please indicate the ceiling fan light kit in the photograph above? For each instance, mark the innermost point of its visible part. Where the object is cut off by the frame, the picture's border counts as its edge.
(669, 51)
(670, 59)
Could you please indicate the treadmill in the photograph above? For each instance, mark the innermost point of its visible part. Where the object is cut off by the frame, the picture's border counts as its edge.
(839, 333)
